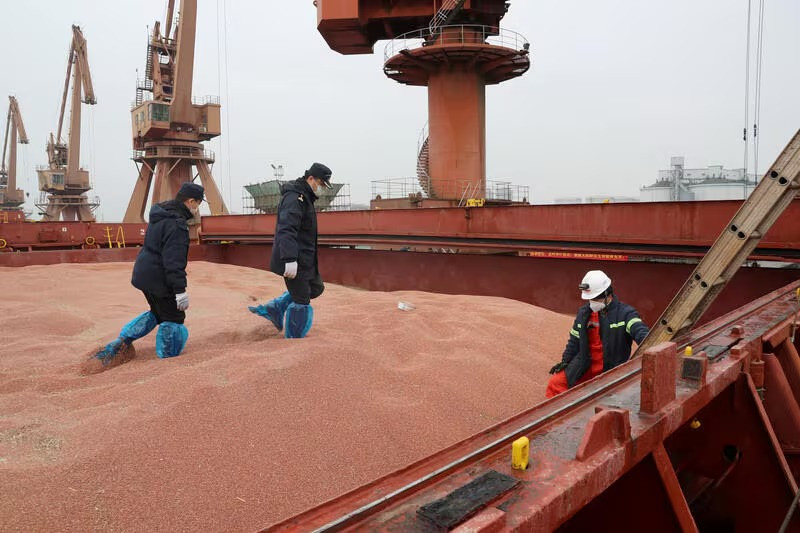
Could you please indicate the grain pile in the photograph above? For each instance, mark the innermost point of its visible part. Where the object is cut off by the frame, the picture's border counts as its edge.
(245, 428)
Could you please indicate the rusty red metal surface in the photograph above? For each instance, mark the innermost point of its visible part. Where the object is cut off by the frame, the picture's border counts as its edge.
(27, 236)
(94, 255)
(701, 461)
(642, 227)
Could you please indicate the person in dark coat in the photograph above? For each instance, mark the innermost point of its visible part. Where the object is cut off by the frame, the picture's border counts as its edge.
(601, 337)
(160, 273)
(294, 254)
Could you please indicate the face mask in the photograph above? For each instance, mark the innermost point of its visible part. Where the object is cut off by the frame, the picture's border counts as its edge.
(596, 306)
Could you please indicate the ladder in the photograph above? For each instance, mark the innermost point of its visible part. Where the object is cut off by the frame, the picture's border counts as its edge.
(737, 241)
(446, 13)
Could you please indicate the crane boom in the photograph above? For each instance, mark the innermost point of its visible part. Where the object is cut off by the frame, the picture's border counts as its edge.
(78, 55)
(13, 109)
(10, 196)
(64, 181)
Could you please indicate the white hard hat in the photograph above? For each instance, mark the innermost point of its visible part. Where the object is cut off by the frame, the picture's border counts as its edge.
(594, 283)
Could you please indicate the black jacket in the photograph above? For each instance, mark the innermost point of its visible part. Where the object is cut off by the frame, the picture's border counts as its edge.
(296, 230)
(619, 325)
(160, 267)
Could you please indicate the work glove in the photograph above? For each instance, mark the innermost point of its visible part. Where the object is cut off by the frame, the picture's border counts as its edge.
(558, 367)
(291, 270)
(182, 300)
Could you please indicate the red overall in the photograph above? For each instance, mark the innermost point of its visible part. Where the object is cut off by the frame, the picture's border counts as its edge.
(558, 382)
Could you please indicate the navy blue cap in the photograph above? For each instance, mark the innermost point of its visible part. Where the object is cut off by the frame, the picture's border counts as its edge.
(192, 190)
(320, 171)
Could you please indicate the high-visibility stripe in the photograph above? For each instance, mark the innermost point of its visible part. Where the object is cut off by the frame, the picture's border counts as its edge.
(631, 322)
(574, 333)
(617, 325)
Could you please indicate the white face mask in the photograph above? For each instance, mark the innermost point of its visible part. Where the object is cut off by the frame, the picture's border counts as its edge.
(596, 306)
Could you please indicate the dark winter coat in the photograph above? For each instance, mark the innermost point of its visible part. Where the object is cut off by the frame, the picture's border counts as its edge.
(296, 230)
(160, 267)
(619, 326)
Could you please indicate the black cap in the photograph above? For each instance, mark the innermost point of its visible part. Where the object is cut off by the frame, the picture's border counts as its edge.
(192, 190)
(320, 171)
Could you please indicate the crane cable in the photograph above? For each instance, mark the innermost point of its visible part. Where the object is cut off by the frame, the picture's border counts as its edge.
(746, 95)
(222, 49)
(759, 52)
(227, 101)
(757, 106)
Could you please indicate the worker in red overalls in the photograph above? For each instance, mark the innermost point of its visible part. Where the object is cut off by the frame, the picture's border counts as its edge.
(600, 338)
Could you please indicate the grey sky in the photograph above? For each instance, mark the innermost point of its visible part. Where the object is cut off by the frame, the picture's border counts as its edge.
(615, 89)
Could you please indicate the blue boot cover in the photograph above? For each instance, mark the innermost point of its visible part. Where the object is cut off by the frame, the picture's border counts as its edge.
(135, 329)
(274, 309)
(170, 339)
(138, 327)
(298, 320)
(110, 351)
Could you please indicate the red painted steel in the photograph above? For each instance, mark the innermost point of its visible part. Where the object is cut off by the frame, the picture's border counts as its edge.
(354, 26)
(676, 224)
(717, 438)
(95, 255)
(659, 368)
(780, 404)
(27, 236)
(672, 485)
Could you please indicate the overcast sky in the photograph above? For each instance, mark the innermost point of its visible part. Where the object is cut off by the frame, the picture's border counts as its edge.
(615, 89)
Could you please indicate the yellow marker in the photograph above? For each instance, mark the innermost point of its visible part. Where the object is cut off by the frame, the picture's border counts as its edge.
(520, 451)
(694, 424)
(688, 352)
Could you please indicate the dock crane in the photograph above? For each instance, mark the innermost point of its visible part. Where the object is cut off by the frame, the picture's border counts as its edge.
(169, 126)
(12, 198)
(63, 183)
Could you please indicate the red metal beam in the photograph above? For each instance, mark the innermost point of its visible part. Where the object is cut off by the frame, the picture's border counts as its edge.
(681, 225)
(27, 236)
(94, 255)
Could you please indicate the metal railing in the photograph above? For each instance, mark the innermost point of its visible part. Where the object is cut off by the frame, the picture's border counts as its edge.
(173, 151)
(205, 100)
(423, 136)
(456, 35)
(144, 84)
(461, 190)
(145, 97)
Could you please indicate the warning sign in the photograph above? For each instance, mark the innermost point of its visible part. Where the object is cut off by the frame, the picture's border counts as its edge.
(592, 256)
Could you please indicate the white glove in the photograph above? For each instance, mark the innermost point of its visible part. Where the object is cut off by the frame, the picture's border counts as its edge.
(291, 270)
(182, 300)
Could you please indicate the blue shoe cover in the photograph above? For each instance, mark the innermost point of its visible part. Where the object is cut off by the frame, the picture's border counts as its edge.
(298, 320)
(138, 327)
(170, 339)
(135, 329)
(274, 309)
(110, 351)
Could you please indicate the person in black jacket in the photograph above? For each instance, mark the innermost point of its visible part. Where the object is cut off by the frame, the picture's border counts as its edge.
(160, 273)
(294, 254)
(600, 338)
